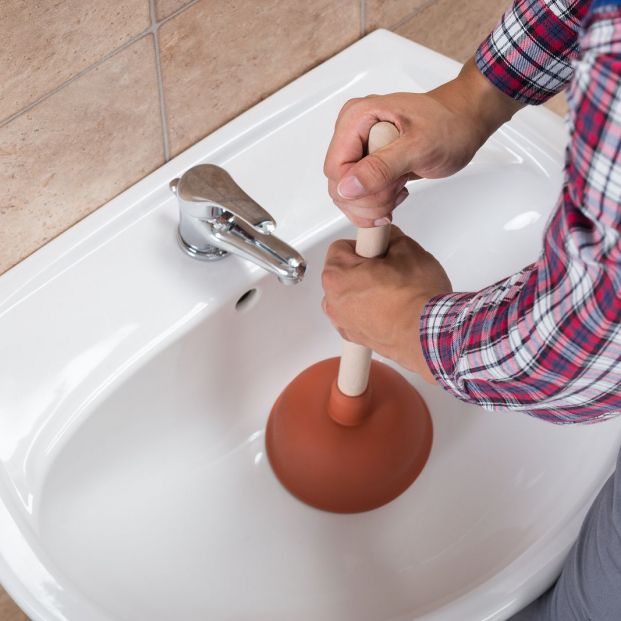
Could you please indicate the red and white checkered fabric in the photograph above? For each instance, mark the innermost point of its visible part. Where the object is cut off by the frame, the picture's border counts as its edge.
(547, 340)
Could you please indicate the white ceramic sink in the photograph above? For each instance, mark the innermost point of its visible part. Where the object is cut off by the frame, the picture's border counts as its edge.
(133, 397)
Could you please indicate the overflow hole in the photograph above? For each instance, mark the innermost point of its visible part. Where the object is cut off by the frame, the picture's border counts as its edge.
(246, 300)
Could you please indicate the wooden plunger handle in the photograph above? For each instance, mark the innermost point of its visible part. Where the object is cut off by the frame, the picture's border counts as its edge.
(370, 242)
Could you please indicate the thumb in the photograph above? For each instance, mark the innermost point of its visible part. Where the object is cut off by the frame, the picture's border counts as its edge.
(376, 171)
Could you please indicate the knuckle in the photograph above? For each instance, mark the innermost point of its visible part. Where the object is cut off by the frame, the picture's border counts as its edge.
(333, 250)
(351, 103)
(346, 109)
(356, 103)
(327, 309)
(339, 249)
(342, 333)
(329, 278)
(403, 120)
(325, 278)
(404, 244)
(400, 247)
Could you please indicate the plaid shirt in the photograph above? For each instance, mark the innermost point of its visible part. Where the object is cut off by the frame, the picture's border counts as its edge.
(547, 340)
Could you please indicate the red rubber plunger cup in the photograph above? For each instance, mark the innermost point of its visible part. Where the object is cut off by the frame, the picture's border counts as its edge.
(350, 435)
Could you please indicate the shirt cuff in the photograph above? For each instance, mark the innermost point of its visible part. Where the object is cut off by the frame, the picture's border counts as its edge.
(528, 55)
(439, 322)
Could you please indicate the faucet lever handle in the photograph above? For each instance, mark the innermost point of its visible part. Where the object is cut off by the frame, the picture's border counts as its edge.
(211, 189)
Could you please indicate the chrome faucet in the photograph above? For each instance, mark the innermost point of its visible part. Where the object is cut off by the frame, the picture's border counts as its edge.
(216, 217)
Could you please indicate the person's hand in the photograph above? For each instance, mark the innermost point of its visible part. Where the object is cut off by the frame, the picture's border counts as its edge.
(378, 302)
(439, 133)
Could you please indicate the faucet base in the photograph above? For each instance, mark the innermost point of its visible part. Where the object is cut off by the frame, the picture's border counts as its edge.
(206, 253)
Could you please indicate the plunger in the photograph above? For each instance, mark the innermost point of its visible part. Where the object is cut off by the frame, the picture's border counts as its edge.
(353, 436)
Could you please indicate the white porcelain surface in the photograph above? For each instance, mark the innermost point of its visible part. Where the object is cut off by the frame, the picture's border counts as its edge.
(133, 397)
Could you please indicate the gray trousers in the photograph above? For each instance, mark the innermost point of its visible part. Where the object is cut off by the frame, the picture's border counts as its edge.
(589, 587)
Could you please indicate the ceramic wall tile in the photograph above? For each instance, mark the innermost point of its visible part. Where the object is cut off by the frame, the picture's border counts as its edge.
(453, 28)
(164, 8)
(221, 57)
(46, 43)
(389, 13)
(8, 610)
(77, 149)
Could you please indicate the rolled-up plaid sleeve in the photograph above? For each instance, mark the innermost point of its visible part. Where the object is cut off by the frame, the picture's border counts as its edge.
(528, 55)
(547, 340)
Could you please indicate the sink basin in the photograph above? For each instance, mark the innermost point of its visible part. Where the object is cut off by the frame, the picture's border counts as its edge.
(135, 384)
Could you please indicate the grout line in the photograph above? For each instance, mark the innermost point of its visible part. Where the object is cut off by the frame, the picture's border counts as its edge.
(363, 18)
(179, 10)
(160, 82)
(409, 16)
(152, 29)
(77, 76)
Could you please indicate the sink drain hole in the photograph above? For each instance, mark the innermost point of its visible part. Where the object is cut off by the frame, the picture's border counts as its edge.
(247, 300)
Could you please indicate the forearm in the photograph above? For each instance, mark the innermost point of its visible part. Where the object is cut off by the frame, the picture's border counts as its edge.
(516, 65)
(523, 345)
(477, 100)
(525, 60)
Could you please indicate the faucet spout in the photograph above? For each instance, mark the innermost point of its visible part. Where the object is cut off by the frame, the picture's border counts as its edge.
(265, 250)
(216, 217)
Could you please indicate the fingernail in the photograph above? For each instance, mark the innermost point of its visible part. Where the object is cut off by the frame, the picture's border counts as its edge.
(401, 197)
(381, 222)
(350, 187)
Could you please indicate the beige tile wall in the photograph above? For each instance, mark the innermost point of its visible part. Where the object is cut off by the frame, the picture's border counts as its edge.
(97, 94)
(206, 85)
(8, 610)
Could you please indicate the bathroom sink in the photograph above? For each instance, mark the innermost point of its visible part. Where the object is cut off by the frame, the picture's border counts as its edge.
(135, 384)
